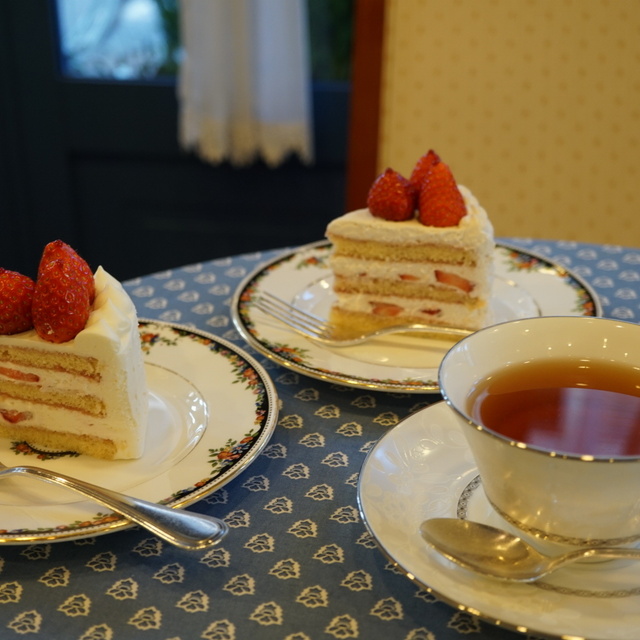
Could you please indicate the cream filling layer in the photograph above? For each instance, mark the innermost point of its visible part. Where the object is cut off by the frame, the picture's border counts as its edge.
(427, 311)
(73, 422)
(59, 380)
(407, 273)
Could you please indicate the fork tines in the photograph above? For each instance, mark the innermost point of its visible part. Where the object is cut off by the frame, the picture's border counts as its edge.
(298, 319)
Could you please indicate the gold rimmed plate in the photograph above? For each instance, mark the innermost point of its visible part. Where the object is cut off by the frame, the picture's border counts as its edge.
(526, 285)
(423, 468)
(213, 409)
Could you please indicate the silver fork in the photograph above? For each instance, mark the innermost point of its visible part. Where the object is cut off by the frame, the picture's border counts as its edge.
(322, 331)
(182, 528)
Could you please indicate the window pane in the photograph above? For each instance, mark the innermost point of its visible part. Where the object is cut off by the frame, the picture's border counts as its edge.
(118, 39)
(140, 39)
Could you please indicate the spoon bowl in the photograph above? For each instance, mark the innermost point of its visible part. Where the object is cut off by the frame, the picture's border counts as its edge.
(499, 554)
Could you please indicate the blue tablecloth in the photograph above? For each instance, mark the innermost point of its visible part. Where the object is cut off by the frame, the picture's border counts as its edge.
(298, 563)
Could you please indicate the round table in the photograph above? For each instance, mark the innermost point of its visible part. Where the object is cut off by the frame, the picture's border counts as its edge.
(298, 563)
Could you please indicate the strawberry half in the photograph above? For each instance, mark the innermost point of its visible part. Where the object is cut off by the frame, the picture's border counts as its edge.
(13, 416)
(16, 295)
(385, 309)
(61, 302)
(422, 167)
(440, 203)
(392, 197)
(454, 280)
(58, 250)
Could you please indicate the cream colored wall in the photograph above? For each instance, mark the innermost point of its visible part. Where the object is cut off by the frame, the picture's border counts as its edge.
(535, 105)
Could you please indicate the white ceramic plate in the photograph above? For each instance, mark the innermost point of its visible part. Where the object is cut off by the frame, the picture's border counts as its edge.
(423, 468)
(212, 411)
(526, 285)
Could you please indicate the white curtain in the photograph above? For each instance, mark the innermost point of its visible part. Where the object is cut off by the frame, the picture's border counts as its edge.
(244, 85)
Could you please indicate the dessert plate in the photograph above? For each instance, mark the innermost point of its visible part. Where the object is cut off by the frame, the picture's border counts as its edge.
(212, 411)
(525, 285)
(423, 468)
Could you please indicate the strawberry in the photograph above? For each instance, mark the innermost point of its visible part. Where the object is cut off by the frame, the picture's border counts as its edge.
(454, 280)
(440, 203)
(422, 167)
(392, 197)
(385, 309)
(58, 250)
(13, 416)
(16, 374)
(16, 295)
(60, 301)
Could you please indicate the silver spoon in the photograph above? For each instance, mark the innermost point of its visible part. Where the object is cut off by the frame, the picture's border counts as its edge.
(499, 554)
(181, 528)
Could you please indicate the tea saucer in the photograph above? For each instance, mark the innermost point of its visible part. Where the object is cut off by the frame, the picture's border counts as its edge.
(423, 468)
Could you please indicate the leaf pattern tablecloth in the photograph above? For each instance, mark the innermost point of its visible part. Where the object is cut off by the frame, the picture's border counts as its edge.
(298, 563)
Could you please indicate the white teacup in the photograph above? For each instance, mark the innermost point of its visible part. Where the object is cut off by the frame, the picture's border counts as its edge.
(568, 499)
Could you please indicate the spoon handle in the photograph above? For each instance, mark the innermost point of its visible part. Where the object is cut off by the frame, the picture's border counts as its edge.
(596, 552)
(612, 552)
(184, 529)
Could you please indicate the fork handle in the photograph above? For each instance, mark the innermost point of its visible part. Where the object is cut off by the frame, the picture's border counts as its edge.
(184, 529)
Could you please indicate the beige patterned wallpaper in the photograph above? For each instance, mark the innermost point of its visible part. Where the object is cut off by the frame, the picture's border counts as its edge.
(535, 105)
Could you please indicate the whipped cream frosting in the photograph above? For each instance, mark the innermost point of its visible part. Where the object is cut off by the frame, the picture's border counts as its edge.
(473, 231)
(111, 336)
(472, 237)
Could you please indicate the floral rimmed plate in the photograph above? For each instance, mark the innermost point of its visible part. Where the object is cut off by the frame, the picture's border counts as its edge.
(525, 285)
(213, 409)
(423, 468)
